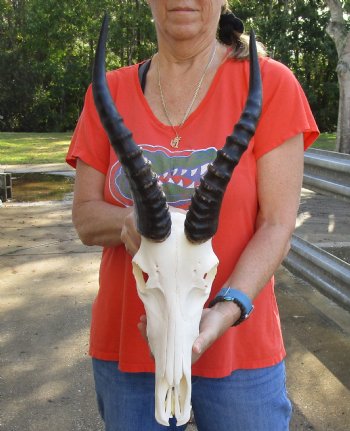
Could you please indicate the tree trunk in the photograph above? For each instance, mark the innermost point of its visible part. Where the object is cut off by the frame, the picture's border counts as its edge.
(337, 30)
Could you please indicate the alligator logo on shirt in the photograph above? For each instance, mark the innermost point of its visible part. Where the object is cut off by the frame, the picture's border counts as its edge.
(178, 171)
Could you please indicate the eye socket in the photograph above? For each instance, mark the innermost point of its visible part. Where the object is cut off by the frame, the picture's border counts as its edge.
(145, 276)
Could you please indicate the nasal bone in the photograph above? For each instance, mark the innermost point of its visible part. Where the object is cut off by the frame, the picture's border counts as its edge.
(177, 393)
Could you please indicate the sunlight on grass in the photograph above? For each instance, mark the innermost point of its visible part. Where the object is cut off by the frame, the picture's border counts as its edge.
(18, 148)
(326, 141)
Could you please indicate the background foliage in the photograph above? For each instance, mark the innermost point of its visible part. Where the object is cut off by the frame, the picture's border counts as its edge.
(47, 49)
(294, 33)
(46, 56)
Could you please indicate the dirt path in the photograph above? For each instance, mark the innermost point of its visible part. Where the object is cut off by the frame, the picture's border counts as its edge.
(47, 284)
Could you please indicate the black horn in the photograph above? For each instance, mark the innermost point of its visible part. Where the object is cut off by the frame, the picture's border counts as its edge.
(202, 217)
(152, 213)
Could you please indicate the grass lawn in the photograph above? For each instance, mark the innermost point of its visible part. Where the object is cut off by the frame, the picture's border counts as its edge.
(326, 141)
(20, 148)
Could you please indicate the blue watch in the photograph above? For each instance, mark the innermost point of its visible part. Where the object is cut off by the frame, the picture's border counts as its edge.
(239, 298)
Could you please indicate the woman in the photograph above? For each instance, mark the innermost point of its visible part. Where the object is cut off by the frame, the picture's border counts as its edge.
(182, 105)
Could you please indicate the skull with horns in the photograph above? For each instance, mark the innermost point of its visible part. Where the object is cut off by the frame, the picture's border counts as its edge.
(175, 265)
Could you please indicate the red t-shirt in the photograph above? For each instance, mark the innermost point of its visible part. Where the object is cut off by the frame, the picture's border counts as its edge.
(117, 307)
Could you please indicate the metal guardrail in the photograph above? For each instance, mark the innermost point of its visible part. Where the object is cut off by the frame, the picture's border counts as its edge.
(323, 270)
(5, 186)
(327, 172)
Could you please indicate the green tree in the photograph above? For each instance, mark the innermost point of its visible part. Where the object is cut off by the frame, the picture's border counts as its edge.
(339, 30)
(47, 51)
(16, 83)
(294, 33)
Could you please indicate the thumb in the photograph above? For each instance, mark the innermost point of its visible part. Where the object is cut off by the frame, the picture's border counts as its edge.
(197, 345)
(204, 340)
(212, 326)
(200, 345)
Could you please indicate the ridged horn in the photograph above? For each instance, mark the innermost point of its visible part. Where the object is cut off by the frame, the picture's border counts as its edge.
(152, 212)
(202, 217)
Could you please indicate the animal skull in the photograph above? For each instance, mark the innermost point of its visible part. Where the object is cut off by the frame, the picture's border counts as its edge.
(173, 280)
(175, 265)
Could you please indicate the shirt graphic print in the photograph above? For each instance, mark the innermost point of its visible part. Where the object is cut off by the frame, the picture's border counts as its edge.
(179, 172)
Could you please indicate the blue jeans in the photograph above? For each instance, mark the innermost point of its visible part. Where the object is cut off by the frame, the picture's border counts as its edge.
(247, 400)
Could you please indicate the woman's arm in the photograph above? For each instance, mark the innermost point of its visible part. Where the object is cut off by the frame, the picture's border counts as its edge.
(96, 221)
(280, 174)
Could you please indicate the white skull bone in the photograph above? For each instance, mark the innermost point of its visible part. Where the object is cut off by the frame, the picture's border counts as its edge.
(174, 279)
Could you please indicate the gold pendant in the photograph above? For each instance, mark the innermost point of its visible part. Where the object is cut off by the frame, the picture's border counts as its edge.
(175, 142)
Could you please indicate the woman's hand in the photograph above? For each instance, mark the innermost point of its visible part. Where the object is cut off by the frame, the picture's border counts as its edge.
(214, 322)
(129, 234)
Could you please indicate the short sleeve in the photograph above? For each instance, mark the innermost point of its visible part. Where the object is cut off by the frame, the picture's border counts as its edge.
(286, 111)
(90, 142)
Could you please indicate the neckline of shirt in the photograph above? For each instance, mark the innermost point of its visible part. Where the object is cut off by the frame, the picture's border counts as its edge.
(165, 127)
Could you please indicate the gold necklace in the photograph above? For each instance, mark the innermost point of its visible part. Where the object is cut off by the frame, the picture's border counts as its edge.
(176, 141)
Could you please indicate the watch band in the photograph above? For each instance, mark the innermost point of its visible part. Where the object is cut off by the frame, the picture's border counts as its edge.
(239, 298)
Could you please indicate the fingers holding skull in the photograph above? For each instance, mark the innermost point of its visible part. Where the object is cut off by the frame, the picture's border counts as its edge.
(129, 234)
(142, 327)
(214, 323)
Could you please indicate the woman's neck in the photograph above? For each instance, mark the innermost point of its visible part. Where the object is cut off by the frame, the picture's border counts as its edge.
(179, 72)
(185, 53)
